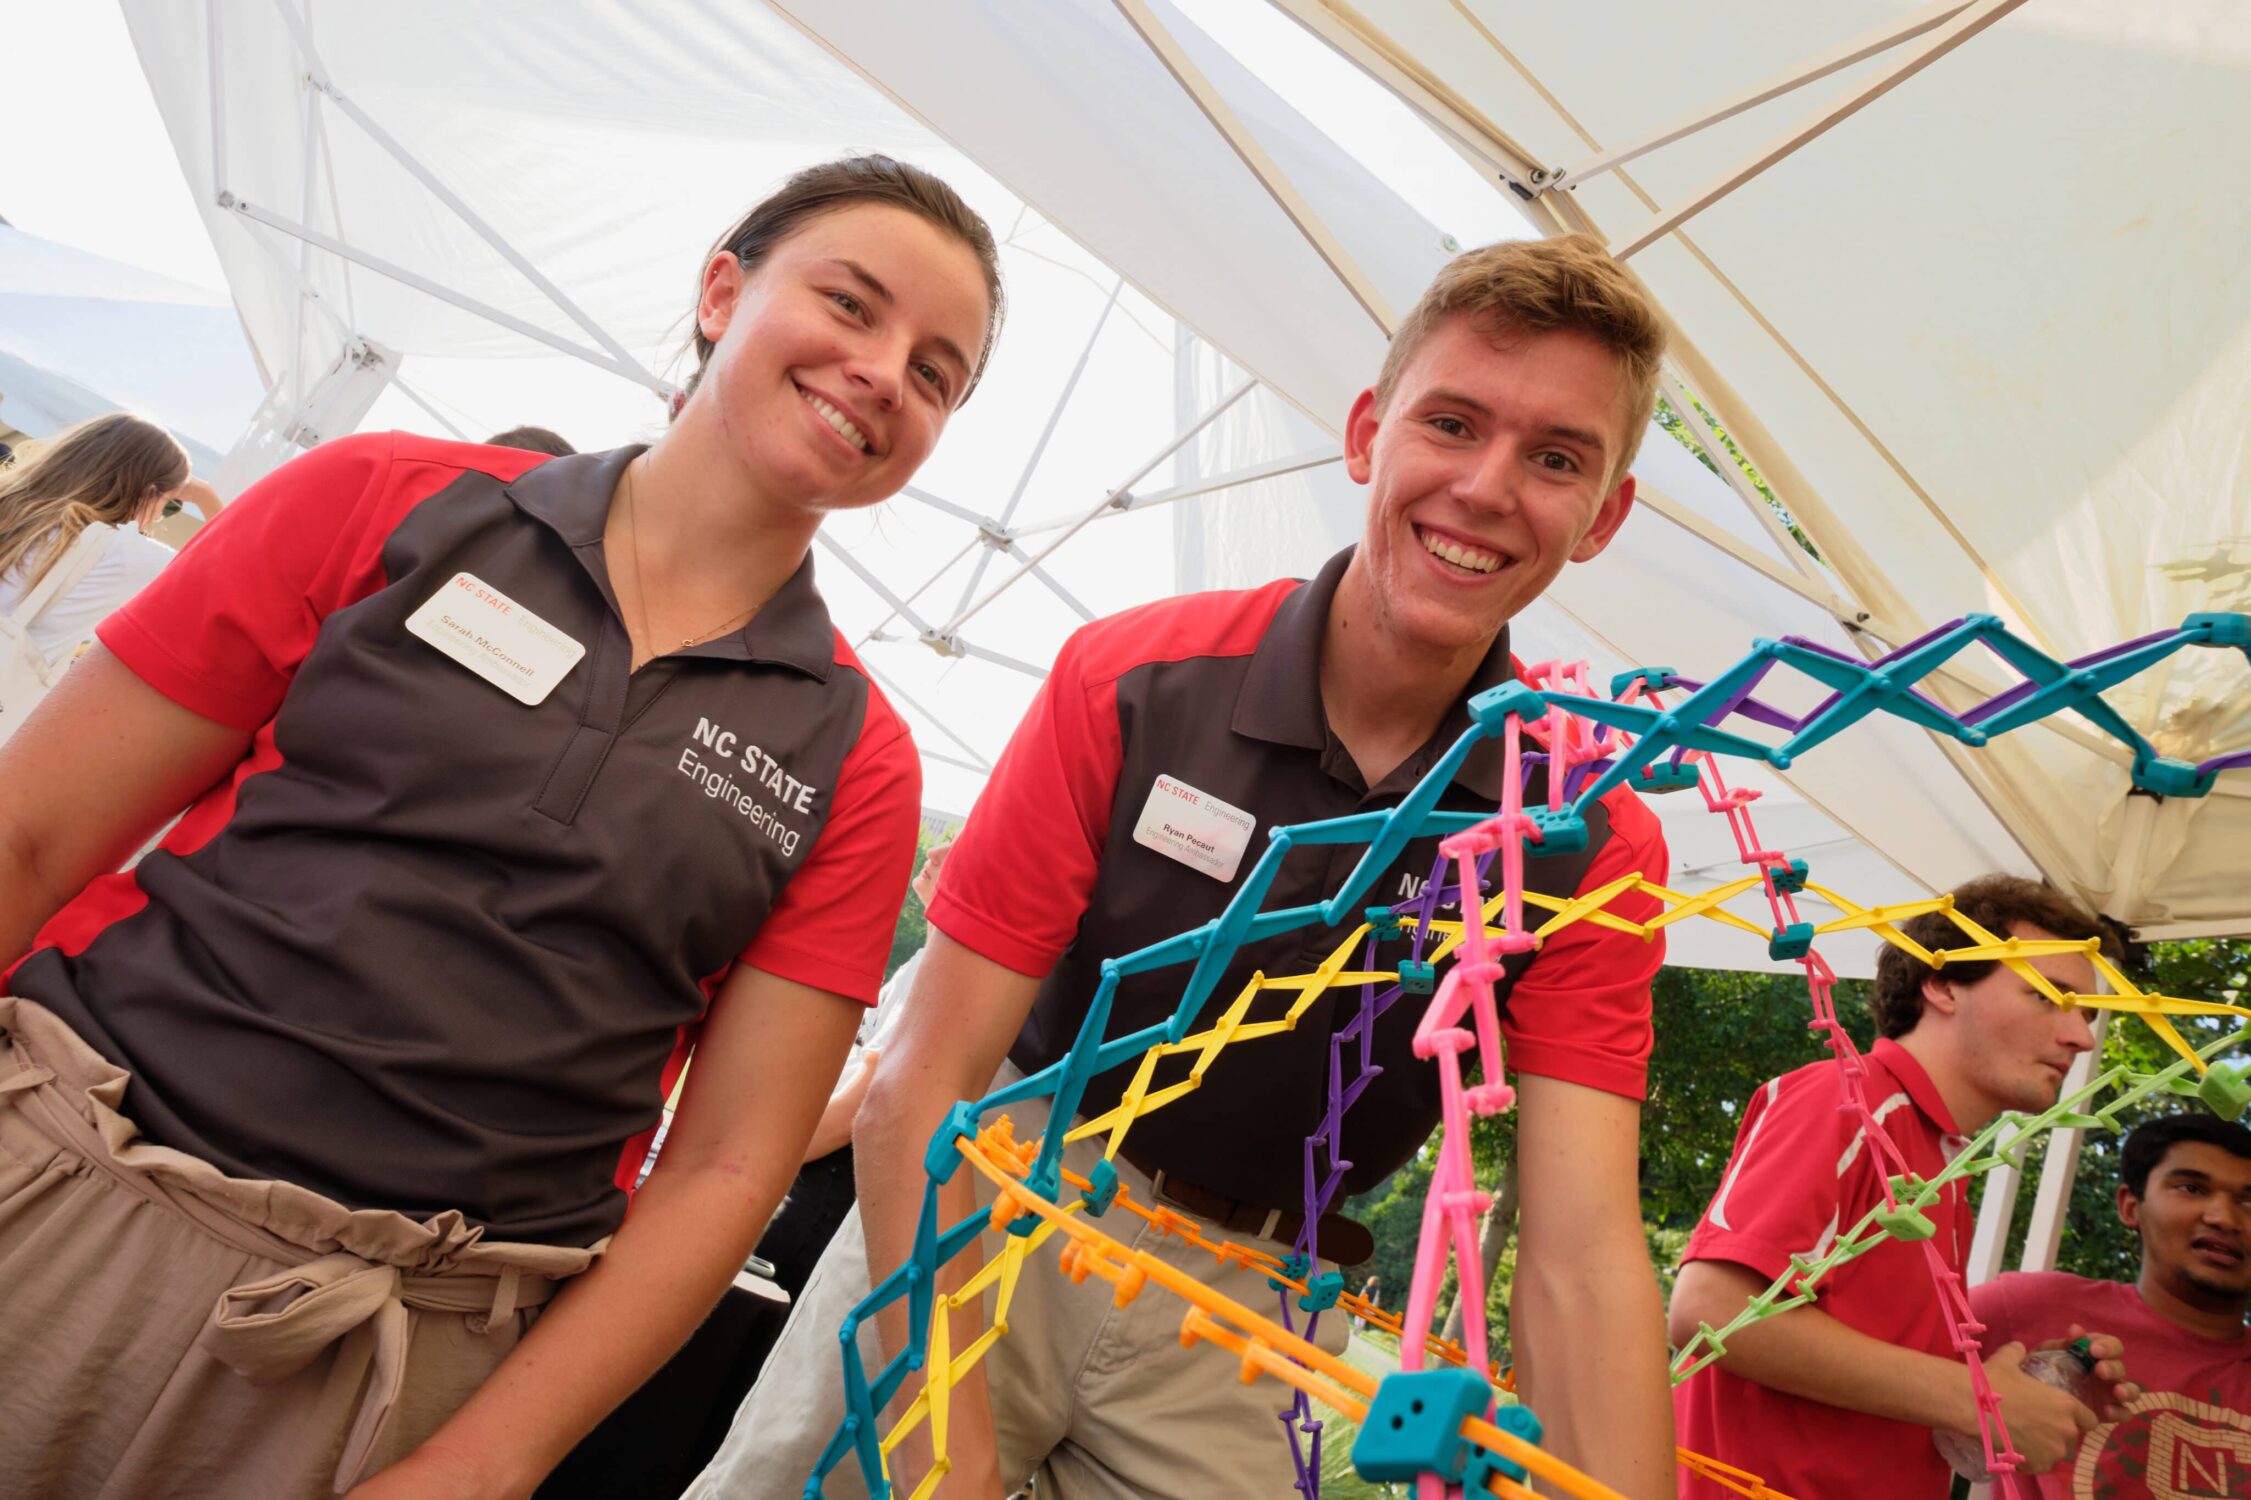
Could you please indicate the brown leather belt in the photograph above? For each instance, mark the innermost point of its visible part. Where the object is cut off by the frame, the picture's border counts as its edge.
(1346, 1242)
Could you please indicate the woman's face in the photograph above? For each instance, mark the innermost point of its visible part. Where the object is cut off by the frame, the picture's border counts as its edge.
(840, 357)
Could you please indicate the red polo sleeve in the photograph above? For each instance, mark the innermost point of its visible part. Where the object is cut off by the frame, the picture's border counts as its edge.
(223, 629)
(1782, 1194)
(1581, 1012)
(832, 927)
(1021, 874)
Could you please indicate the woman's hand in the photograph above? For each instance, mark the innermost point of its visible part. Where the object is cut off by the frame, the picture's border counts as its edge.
(199, 493)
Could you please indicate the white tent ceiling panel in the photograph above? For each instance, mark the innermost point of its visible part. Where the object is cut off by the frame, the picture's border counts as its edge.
(1179, 233)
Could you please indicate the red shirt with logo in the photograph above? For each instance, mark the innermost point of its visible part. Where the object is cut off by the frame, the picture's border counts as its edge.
(2189, 1435)
(1801, 1175)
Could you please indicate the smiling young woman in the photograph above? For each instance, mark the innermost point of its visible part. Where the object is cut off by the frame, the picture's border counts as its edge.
(331, 1094)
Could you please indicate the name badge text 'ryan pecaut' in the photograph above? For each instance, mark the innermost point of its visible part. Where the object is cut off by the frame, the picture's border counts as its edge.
(1195, 828)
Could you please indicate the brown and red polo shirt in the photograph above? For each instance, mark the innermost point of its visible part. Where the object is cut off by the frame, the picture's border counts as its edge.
(1220, 693)
(431, 947)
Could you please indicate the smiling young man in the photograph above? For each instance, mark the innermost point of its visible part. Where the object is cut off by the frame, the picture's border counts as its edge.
(1839, 1398)
(2185, 1191)
(1127, 808)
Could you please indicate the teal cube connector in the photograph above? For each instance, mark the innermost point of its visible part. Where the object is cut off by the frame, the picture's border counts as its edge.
(1561, 832)
(1414, 1425)
(1417, 977)
(1653, 677)
(1492, 707)
(1793, 941)
(2166, 777)
(1485, 1466)
(1789, 877)
(941, 1160)
(1101, 1190)
(2221, 629)
(1294, 1267)
(2225, 1092)
(1383, 923)
(1663, 776)
(1322, 1291)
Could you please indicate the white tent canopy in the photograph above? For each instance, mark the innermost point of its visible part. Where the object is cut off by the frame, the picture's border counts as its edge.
(1987, 358)
(1991, 358)
(81, 335)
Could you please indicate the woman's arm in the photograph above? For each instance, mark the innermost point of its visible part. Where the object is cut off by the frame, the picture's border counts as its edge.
(96, 769)
(760, 1079)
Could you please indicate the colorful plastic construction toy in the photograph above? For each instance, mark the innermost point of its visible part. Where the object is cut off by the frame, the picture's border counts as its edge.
(1445, 1420)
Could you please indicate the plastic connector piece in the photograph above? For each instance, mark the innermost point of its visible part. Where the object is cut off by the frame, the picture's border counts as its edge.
(2225, 1092)
(2222, 629)
(1793, 941)
(1789, 877)
(1417, 976)
(1561, 832)
(1492, 707)
(1485, 1466)
(1101, 1190)
(942, 1160)
(1661, 776)
(1294, 1267)
(1322, 1291)
(2164, 776)
(1414, 1425)
(1651, 677)
(1383, 923)
(1906, 1223)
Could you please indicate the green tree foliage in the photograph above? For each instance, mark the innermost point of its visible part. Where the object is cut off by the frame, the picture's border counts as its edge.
(913, 929)
(1720, 1036)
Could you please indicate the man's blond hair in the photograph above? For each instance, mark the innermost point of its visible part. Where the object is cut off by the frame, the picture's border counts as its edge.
(1570, 283)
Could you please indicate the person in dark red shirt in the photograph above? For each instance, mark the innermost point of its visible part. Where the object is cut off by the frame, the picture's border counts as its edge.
(2185, 1191)
(1130, 803)
(505, 781)
(1839, 1398)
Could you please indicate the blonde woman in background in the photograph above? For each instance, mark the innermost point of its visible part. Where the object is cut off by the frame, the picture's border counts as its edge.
(119, 473)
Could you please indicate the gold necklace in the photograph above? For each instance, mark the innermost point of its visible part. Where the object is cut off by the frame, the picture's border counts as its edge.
(640, 591)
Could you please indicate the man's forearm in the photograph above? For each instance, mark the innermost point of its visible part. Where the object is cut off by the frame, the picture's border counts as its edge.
(888, 1145)
(1590, 1360)
(1806, 1352)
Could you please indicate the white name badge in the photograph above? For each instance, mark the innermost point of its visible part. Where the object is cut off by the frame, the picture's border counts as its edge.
(496, 638)
(1195, 828)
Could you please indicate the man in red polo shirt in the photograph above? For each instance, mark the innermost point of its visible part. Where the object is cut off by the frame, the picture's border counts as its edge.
(1838, 1398)
(1132, 802)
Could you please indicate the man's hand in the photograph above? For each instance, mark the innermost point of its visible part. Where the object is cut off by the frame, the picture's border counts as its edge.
(2045, 1424)
(2109, 1354)
(834, 1132)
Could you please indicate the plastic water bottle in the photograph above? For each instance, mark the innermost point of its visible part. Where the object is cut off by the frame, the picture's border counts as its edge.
(2071, 1368)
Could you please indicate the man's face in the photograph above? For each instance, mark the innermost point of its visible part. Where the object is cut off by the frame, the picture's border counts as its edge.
(1487, 470)
(2195, 1222)
(2017, 1043)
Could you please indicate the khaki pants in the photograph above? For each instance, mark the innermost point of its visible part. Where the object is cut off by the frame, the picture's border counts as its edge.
(1096, 1401)
(166, 1330)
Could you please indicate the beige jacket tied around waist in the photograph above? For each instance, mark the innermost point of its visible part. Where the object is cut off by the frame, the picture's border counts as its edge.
(344, 1278)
